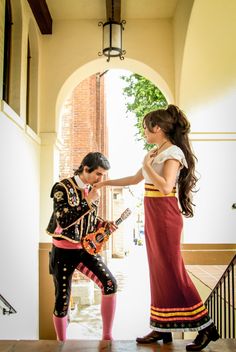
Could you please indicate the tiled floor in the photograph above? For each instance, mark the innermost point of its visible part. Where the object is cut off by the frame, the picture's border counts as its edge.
(132, 314)
(102, 346)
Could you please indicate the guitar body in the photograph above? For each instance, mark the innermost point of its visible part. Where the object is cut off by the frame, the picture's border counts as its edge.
(93, 242)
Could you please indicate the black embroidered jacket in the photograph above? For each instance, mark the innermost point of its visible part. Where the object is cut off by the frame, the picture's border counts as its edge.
(73, 217)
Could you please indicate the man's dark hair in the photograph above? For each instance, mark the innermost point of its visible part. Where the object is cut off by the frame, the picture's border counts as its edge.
(93, 160)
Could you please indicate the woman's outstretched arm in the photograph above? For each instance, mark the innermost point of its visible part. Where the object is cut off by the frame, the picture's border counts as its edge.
(124, 181)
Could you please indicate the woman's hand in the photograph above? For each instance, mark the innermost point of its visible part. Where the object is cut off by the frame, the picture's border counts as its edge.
(148, 159)
(99, 185)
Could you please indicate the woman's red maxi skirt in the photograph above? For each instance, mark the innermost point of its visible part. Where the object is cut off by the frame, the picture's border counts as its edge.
(175, 302)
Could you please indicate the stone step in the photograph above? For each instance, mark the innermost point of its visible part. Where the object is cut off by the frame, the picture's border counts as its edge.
(226, 345)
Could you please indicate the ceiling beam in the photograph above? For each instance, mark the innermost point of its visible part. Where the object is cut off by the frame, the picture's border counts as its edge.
(42, 15)
(113, 8)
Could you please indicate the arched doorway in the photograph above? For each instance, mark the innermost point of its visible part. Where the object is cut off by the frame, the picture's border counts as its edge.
(124, 257)
(77, 77)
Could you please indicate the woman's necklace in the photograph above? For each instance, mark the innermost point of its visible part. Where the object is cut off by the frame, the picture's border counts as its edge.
(162, 144)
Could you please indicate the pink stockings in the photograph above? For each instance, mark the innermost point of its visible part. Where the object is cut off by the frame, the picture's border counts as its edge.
(108, 307)
(60, 325)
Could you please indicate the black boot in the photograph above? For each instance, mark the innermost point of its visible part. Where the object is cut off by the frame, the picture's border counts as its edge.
(155, 336)
(203, 338)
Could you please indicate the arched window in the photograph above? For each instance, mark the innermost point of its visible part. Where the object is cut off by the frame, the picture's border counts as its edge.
(7, 51)
(28, 85)
(13, 67)
(32, 79)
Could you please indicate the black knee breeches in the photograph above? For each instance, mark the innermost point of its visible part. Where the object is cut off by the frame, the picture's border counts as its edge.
(62, 264)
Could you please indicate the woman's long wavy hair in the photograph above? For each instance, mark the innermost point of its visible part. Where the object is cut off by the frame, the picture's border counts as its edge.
(176, 127)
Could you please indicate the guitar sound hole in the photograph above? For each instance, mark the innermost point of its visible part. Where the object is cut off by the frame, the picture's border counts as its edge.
(99, 237)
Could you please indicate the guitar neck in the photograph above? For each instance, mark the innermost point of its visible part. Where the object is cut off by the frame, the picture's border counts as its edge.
(123, 216)
(118, 221)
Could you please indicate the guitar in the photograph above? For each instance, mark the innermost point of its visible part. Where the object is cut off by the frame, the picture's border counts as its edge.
(93, 242)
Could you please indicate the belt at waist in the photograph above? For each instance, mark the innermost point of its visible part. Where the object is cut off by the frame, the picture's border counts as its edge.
(64, 244)
(152, 191)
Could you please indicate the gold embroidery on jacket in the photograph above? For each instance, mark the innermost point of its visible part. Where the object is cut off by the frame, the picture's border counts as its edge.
(59, 196)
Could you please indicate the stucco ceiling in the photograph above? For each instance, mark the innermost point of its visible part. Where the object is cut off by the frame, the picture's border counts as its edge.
(96, 9)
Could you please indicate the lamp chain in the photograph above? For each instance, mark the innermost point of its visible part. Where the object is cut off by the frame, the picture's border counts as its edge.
(112, 10)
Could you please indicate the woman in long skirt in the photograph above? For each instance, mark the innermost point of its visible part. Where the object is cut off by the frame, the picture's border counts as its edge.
(168, 170)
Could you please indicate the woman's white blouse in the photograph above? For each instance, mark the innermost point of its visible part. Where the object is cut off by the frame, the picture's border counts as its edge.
(173, 152)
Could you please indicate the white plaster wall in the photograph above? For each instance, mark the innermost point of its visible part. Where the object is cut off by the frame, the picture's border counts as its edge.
(19, 189)
(209, 68)
(20, 199)
(49, 174)
(180, 27)
(208, 96)
(214, 220)
(216, 115)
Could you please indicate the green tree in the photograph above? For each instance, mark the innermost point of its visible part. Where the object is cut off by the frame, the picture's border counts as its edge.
(142, 96)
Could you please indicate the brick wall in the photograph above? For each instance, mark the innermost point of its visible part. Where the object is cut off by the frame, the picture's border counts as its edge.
(84, 127)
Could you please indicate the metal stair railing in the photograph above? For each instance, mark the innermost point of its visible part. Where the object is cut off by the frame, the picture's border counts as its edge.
(221, 302)
(8, 309)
